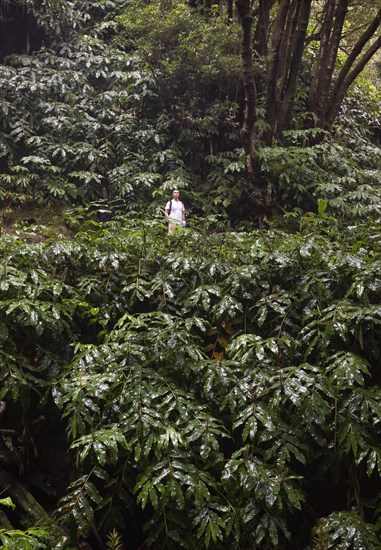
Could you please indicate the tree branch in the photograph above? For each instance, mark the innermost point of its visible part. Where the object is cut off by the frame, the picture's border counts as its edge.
(357, 49)
(339, 92)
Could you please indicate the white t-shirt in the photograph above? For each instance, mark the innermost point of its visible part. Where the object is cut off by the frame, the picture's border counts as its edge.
(177, 209)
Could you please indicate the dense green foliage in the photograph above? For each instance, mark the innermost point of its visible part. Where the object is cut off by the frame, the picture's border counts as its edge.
(219, 388)
(111, 107)
(90, 116)
(234, 376)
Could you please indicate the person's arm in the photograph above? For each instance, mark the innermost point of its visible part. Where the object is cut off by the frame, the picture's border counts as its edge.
(166, 211)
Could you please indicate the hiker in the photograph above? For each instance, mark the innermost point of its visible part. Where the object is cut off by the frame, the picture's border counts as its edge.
(175, 211)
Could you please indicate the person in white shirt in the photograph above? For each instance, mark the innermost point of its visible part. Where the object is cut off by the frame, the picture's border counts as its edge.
(175, 212)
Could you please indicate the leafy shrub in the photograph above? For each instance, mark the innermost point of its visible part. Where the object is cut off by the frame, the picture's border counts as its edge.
(234, 376)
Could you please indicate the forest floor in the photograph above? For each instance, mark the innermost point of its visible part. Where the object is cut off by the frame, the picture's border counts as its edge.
(36, 223)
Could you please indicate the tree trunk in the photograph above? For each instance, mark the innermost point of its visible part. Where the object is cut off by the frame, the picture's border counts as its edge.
(273, 69)
(4, 521)
(351, 69)
(233, 10)
(331, 33)
(248, 77)
(28, 510)
(262, 27)
(261, 34)
(295, 50)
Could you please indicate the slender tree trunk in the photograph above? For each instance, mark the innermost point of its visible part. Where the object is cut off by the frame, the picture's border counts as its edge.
(273, 69)
(248, 77)
(287, 45)
(331, 33)
(261, 31)
(233, 11)
(295, 54)
(261, 34)
(323, 50)
(351, 69)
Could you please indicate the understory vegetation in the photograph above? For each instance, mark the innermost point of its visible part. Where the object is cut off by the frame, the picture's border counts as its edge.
(215, 388)
(218, 388)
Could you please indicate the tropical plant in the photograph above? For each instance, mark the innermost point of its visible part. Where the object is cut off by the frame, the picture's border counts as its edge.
(231, 375)
(14, 539)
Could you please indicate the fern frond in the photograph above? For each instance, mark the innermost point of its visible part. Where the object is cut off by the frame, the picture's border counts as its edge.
(114, 540)
(320, 536)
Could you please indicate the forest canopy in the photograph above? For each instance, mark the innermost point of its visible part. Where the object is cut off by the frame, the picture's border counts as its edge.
(219, 387)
